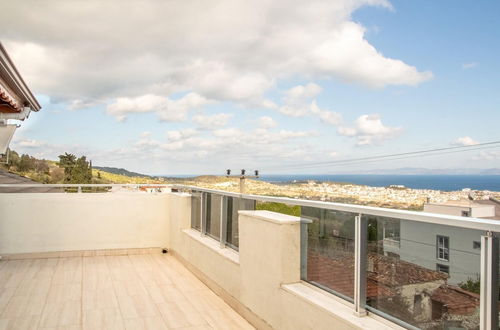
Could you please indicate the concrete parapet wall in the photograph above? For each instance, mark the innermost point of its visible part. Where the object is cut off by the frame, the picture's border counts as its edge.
(38, 222)
(262, 280)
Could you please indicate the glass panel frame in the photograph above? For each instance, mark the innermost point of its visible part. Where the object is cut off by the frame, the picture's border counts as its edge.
(327, 250)
(212, 203)
(410, 288)
(233, 205)
(196, 208)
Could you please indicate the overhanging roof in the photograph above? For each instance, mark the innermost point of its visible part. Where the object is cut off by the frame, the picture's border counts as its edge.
(14, 93)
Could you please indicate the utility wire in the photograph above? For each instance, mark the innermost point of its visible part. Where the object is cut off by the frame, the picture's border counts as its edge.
(406, 157)
(429, 152)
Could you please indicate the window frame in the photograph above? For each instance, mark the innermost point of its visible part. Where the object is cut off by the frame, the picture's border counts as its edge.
(441, 266)
(443, 251)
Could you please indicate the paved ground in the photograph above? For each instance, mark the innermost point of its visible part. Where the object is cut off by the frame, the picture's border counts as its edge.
(9, 178)
(151, 291)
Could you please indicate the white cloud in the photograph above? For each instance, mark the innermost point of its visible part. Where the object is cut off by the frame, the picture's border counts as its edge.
(244, 146)
(222, 49)
(181, 134)
(301, 92)
(488, 155)
(333, 154)
(227, 132)
(464, 141)
(369, 129)
(469, 65)
(286, 134)
(267, 122)
(297, 100)
(326, 116)
(211, 122)
(165, 108)
(29, 143)
(346, 54)
(298, 103)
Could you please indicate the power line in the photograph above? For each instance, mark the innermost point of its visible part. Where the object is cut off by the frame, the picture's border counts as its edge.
(429, 152)
(409, 156)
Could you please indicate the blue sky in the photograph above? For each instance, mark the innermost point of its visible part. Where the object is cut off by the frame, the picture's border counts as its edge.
(268, 85)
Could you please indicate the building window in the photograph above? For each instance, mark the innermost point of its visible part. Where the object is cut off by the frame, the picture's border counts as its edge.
(476, 245)
(465, 213)
(443, 248)
(443, 268)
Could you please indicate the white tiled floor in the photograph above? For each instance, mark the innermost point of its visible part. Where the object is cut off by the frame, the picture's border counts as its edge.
(151, 291)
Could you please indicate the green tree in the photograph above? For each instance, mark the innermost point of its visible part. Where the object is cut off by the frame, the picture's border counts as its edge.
(68, 162)
(26, 163)
(471, 285)
(41, 166)
(76, 170)
(14, 160)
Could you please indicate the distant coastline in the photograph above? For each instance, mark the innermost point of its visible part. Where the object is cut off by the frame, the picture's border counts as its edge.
(415, 181)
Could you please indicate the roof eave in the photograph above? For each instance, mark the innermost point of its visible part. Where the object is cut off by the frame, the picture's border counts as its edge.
(8, 67)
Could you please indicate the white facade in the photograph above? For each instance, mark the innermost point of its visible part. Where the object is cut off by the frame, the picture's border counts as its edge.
(462, 209)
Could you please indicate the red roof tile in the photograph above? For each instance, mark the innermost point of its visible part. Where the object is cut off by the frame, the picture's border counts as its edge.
(385, 275)
(6, 97)
(456, 300)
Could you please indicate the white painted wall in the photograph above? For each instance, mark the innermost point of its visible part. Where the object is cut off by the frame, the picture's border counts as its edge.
(46, 222)
(476, 211)
(483, 211)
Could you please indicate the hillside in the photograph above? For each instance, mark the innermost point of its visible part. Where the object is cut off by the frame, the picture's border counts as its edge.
(120, 171)
(102, 176)
(49, 171)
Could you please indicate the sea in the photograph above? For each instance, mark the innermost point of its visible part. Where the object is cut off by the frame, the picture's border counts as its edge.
(435, 182)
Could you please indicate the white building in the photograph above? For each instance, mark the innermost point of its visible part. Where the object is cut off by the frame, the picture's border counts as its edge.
(462, 208)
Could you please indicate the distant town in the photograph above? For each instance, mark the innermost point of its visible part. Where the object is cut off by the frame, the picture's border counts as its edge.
(394, 196)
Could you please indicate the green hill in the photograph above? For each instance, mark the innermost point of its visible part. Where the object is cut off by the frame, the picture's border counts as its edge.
(121, 171)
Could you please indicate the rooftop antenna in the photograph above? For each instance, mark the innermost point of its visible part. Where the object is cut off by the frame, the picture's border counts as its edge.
(242, 177)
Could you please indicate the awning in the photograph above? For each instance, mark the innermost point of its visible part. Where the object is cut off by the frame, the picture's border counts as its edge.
(6, 133)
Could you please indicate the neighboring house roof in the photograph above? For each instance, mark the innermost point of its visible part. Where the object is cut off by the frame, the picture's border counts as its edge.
(460, 203)
(394, 272)
(338, 275)
(457, 301)
(14, 93)
(385, 274)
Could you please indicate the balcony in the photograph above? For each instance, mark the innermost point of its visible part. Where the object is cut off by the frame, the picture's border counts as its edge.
(94, 260)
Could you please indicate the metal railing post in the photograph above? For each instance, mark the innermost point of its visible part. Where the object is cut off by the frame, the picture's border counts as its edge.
(303, 247)
(79, 189)
(223, 222)
(360, 255)
(489, 282)
(202, 213)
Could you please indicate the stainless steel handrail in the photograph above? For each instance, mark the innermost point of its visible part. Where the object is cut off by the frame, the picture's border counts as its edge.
(441, 219)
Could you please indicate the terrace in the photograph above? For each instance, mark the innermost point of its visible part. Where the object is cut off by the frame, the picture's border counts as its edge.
(94, 260)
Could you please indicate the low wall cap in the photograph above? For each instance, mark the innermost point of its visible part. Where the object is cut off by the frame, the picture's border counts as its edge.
(271, 216)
